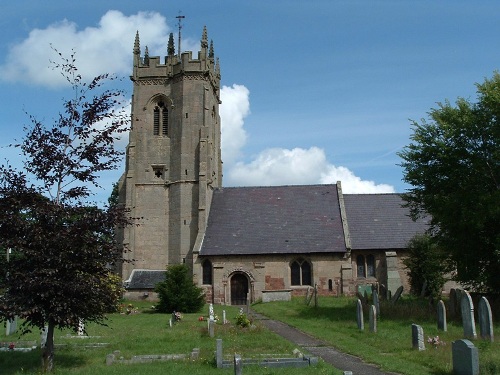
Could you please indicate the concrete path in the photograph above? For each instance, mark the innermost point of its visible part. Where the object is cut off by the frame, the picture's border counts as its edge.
(341, 361)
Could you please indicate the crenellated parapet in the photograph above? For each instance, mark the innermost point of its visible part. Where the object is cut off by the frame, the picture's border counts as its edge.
(172, 68)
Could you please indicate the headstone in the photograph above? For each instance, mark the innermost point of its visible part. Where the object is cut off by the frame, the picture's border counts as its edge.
(238, 365)
(376, 301)
(485, 319)
(170, 323)
(468, 316)
(452, 304)
(218, 353)
(397, 294)
(11, 327)
(347, 372)
(224, 321)
(359, 315)
(465, 358)
(211, 312)
(441, 319)
(81, 327)
(417, 337)
(373, 319)
(43, 336)
(211, 325)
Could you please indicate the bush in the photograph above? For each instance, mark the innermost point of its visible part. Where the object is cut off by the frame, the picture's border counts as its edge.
(427, 266)
(178, 292)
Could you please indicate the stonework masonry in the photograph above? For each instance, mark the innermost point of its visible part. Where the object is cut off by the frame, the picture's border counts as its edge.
(173, 156)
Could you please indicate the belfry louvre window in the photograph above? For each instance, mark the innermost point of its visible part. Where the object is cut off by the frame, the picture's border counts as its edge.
(160, 119)
(300, 272)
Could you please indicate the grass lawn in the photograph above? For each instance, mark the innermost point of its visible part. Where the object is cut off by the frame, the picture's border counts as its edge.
(334, 321)
(149, 333)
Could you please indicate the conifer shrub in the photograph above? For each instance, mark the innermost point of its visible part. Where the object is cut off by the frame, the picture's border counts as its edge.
(178, 292)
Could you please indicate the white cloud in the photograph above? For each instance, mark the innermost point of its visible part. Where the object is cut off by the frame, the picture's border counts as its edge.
(106, 48)
(233, 110)
(299, 166)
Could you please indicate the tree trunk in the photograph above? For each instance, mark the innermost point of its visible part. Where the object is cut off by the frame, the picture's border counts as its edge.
(48, 350)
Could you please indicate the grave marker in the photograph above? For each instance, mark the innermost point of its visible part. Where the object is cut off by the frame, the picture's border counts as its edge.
(43, 336)
(485, 319)
(11, 327)
(417, 337)
(397, 295)
(224, 321)
(81, 327)
(373, 319)
(465, 358)
(238, 365)
(359, 315)
(211, 312)
(211, 324)
(441, 319)
(218, 353)
(468, 316)
(376, 302)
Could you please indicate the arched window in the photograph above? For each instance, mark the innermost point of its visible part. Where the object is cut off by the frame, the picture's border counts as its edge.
(360, 266)
(207, 272)
(370, 266)
(160, 119)
(300, 272)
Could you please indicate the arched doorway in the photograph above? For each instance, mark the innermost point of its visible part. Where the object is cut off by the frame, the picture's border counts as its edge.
(239, 289)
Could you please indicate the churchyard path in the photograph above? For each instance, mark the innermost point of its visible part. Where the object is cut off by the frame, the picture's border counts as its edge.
(310, 344)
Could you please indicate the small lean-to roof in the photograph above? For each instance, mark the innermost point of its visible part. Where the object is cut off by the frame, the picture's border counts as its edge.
(379, 221)
(145, 279)
(274, 220)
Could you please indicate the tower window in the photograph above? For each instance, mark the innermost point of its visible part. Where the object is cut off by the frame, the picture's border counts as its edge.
(160, 119)
(300, 272)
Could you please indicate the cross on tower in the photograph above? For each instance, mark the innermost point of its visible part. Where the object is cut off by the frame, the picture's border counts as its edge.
(179, 19)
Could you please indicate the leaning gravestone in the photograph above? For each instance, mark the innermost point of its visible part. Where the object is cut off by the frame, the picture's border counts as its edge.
(441, 320)
(417, 337)
(485, 319)
(359, 315)
(465, 358)
(373, 319)
(468, 316)
(397, 295)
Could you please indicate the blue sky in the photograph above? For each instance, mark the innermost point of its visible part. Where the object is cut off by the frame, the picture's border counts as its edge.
(314, 91)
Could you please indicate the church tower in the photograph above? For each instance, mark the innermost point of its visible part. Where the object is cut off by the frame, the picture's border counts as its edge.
(173, 161)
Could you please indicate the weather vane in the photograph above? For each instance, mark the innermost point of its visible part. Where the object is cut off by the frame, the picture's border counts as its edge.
(179, 25)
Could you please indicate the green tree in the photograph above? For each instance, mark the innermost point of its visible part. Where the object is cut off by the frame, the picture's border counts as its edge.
(453, 165)
(426, 265)
(178, 292)
(64, 245)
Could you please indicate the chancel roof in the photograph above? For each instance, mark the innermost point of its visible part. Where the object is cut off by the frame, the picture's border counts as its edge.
(274, 220)
(379, 221)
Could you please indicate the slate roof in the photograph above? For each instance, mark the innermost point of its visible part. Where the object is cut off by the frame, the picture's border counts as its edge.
(274, 220)
(379, 221)
(144, 279)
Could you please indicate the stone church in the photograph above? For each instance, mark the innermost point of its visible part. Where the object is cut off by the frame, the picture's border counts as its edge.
(241, 243)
